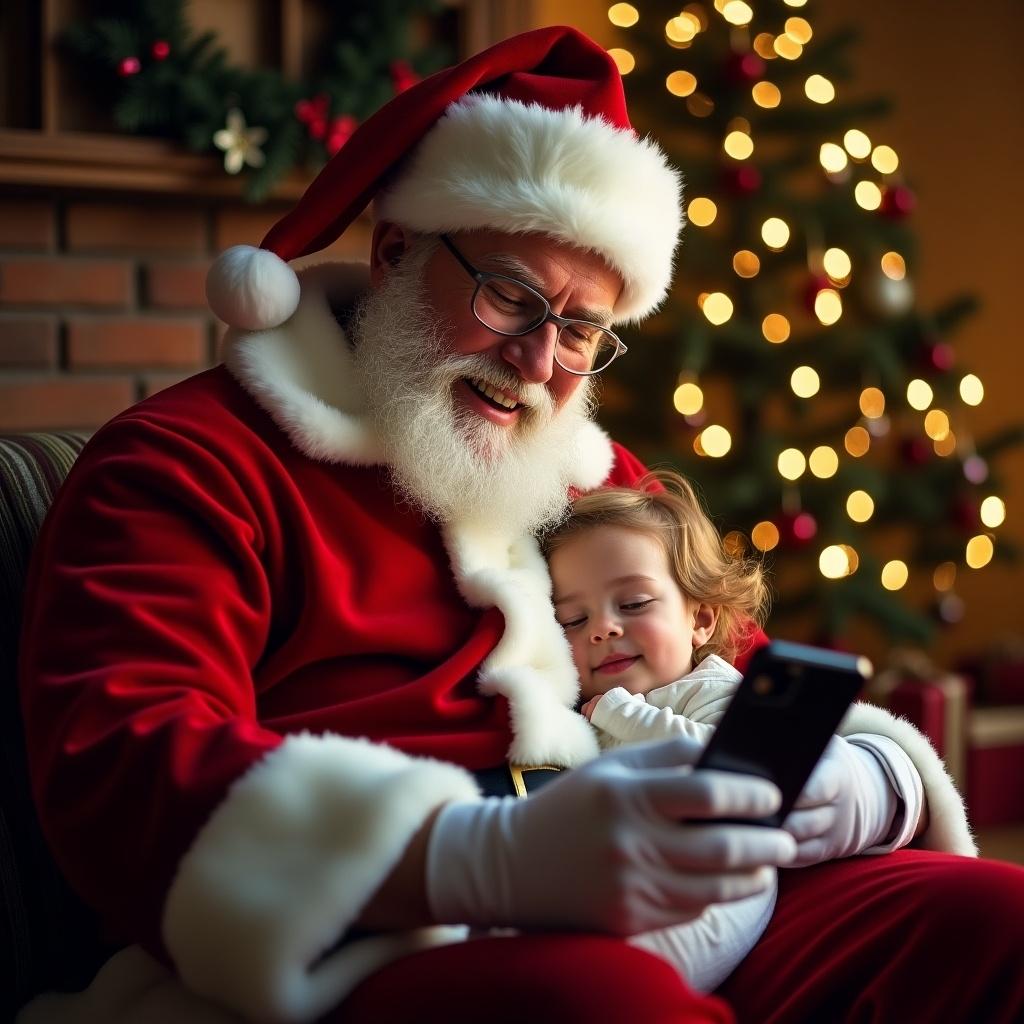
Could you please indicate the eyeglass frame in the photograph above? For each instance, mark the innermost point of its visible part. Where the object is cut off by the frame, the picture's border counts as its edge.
(481, 277)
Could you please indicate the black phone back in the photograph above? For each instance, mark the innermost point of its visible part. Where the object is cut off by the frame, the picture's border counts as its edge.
(778, 723)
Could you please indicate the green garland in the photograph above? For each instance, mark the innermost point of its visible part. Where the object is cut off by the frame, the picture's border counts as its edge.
(163, 79)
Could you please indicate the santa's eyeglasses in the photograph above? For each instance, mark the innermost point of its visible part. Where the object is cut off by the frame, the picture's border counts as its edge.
(510, 307)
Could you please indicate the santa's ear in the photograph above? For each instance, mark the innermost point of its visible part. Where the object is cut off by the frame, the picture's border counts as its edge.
(390, 242)
(705, 618)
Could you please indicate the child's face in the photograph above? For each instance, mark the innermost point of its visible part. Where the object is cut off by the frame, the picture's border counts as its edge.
(626, 619)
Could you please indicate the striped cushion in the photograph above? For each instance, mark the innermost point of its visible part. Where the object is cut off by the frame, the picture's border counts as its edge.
(46, 935)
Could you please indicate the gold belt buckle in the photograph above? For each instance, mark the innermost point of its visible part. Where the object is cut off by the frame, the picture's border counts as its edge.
(517, 770)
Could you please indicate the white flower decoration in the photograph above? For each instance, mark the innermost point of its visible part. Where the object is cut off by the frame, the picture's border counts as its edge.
(241, 144)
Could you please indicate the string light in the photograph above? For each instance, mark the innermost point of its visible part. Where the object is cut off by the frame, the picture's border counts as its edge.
(980, 550)
(681, 83)
(944, 576)
(993, 511)
(884, 159)
(715, 440)
(919, 394)
(860, 506)
(819, 89)
(894, 266)
(688, 399)
(837, 264)
(775, 328)
(834, 562)
(792, 463)
(702, 212)
(794, 3)
(624, 60)
(857, 144)
(971, 389)
(805, 382)
(872, 403)
(787, 47)
(764, 46)
(945, 446)
(823, 462)
(698, 14)
(799, 30)
(895, 574)
(766, 94)
(765, 535)
(857, 441)
(738, 13)
(868, 195)
(623, 15)
(936, 424)
(775, 233)
(833, 158)
(746, 263)
(681, 30)
(738, 145)
(700, 105)
(717, 308)
(828, 306)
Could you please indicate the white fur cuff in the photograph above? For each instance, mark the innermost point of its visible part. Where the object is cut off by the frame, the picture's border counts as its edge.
(286, 863)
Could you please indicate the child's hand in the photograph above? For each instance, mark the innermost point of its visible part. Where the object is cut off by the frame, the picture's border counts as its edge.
(588, 709)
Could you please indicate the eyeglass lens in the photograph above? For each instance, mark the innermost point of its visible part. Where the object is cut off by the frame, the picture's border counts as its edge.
(508, 307)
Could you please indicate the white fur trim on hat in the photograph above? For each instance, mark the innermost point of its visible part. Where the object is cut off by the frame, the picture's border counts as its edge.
(284, 865)
(497, 163)
(251, 289)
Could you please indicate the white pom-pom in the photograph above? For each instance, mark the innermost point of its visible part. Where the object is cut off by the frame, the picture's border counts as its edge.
(252, 289)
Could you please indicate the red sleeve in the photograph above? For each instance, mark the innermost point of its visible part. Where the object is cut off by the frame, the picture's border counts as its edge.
(139, 710)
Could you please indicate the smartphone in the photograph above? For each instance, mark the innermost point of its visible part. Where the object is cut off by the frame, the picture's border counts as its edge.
(778, 723)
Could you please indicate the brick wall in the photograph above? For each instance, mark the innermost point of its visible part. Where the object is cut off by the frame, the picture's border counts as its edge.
(102, 301)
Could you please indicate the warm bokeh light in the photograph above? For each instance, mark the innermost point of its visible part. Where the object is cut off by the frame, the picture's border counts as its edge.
(765, 535)
(799, 30)
(980, 550)
(819, 89)
(792, 463)
(624, 60)
(680, 30)
(681, 83)
(857, 144)
(700, 105)
(715, 440)
(837, 264)
(805, 382)
(823, 462)
(884, 159)
(852, 559)
(698, 14)
(746, 263)
(702, 212)
(787, 47)
(623, 15)
(764, 46)
(894, 266)
(857, 441)
(736, 12)
(766, 94)
(945, 446)
(868, 195)
(717, 307)
(828, 306)
(860, 506)
(775, 328)
(775, 233)
(936, 424)
(993, 511)
(919, 394)
(972, 391)
(833, 158)
(738, 145)
(794, 3)
(872, 402)
(688, 399)
(895, 574)
(834, 562)
(735, 544)
(944, 576)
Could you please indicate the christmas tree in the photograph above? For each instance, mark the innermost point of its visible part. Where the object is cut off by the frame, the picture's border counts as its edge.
(824, 415)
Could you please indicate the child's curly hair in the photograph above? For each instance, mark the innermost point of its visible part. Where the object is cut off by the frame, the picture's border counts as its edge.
(664, 505)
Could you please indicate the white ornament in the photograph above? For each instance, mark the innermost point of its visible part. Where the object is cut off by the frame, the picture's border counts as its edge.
(241, 144)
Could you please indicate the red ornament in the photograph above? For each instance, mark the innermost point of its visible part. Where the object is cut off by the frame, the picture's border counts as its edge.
(815, 284)
(744, 68)
(940, 356)
(161, 49)
(796, 528)
(313, 114)
(340, 132)
(129, 66)
(402, 75)
(742, 179)
(897, 202)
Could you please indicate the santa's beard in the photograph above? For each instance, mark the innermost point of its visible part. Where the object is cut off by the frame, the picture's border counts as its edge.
(446, 459)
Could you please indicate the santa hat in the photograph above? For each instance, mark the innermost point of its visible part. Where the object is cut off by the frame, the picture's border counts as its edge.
(531, 135)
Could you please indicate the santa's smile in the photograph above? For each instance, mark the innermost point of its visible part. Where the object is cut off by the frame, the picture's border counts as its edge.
(489, 401)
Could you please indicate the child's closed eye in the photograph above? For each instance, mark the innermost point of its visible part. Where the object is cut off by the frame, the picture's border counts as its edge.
(638, 605)
(573, 623)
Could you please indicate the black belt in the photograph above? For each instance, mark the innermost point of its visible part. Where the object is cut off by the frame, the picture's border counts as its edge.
(515, 779)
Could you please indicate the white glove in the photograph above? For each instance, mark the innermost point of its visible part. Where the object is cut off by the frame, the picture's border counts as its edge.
(604, 848)
(848, 805)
